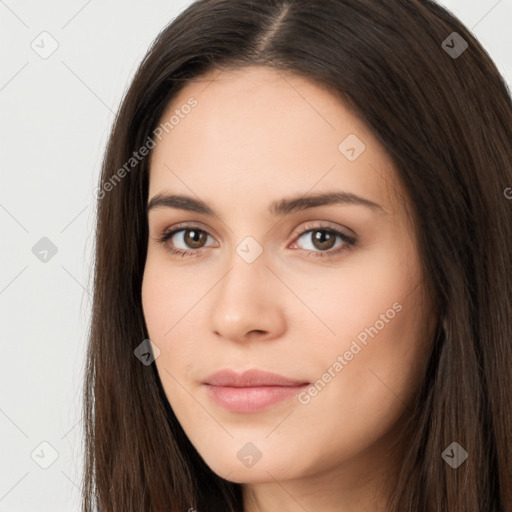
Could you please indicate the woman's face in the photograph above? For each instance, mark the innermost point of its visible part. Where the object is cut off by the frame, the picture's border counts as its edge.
(324, 292)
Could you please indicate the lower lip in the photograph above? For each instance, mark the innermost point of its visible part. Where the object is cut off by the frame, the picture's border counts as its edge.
(251, 399)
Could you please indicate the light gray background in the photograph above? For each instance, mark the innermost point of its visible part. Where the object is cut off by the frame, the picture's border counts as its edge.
(55, 116)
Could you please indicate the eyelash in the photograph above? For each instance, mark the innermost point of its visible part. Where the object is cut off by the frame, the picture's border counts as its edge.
(349, 242)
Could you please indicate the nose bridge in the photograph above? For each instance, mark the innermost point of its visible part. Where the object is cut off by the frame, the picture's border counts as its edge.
(248, 270)
(242, 302)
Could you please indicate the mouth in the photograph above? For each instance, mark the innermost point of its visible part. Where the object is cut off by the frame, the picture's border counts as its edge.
(251, 391)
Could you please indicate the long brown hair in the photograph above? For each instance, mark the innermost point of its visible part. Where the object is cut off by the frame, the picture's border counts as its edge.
(444, 114)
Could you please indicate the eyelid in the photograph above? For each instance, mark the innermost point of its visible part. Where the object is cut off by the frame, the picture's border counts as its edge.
(323, 225)
(349, 240)
(299, 231)
(166, 234)
(185, 226)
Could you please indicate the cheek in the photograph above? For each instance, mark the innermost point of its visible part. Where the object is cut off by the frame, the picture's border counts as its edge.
(168, 294)
(384, 343)
(377, 316)
(355, 403)
(364, 300)
(171, 302)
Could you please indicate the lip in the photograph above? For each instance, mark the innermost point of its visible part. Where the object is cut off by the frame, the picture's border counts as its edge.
(250, 378)
(251, 391)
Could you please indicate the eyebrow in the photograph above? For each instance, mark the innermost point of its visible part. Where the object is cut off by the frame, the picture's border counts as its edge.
(277, 208)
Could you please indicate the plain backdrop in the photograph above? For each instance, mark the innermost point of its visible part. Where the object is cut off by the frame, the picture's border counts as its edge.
(56, 112)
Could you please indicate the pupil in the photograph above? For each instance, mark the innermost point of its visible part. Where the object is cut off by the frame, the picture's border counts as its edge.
(195, 237)
(324, 238)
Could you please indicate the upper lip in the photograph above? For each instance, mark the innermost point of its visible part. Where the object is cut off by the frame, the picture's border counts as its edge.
(250, 378)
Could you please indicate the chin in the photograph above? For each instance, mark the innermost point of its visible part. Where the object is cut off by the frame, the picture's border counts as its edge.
(265, 469)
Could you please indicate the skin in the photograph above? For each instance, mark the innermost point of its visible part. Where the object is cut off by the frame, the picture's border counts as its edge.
(256, 136)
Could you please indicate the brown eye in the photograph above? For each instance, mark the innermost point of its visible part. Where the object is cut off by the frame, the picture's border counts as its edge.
(323, 239)
(189, 241)
(194, 238)
(184, 241)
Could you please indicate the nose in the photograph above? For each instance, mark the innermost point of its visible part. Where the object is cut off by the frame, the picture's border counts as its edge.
(246, 303)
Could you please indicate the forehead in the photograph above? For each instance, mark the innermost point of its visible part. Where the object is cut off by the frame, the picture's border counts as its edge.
(259, 129)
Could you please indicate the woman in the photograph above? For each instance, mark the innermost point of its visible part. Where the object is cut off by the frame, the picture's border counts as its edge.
(302, 285)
